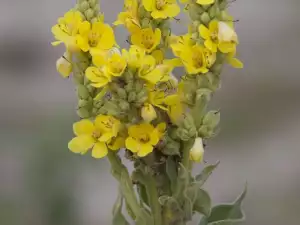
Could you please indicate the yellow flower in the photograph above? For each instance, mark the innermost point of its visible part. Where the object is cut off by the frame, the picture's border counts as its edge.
(194, 59)
(98, 76)
(197, 151)
(98, 135)
(134, 56)
(179, 43)
(162, 9)
(157, 98)
(147, 39)
(95, 37)
(129, 18)
(220, 35)
(153, 73)
(113, 62)
(205, 2)
(142, 138)
(233, 61)
(175, 107)
(148, 113)
(66, 30)
(64, 66)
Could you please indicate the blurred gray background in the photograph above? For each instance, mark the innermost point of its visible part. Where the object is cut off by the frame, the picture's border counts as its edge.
(42, 183)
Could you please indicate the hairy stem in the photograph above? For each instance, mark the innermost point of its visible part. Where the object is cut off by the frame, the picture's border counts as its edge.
(120, 172)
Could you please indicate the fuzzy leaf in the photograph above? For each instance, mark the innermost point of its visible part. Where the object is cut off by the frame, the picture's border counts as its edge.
(205, 174)
(118, 218)
(182, 182)
(203, 203)
(171, 171)
(171, 210)
(226, 214)
(144, 218)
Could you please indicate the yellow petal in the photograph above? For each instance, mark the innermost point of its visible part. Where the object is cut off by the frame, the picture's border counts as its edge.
(154, 137)
(132, 145)
(100, 150)
(209, 44)
(204, 31)
(107, 38)
(236, 63)
(145, 150)
(116, 143)
(106, 137)
(83, 127)
(81, 144)
(84, 28)
(227, 47)
(172, 10)
(205, 2)
(148, 4)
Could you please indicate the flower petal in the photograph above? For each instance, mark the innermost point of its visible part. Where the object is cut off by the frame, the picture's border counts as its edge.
(83, 127)
(132, 145)
(81, 144)
(204, 31)
(145, 150)
(100, 150)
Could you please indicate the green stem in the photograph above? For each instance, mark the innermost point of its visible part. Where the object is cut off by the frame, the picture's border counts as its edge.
(120, 172)
(153, 198)
(186, 146)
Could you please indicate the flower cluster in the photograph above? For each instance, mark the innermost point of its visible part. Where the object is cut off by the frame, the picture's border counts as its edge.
(129, 99)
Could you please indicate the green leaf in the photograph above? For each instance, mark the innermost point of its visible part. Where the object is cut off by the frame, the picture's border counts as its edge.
(212, 119)
(171, 210)
(182, 182)
(118, 218)
(144, 218)
(171, 171)
(205, 174)
(226, 214)
(203, 203)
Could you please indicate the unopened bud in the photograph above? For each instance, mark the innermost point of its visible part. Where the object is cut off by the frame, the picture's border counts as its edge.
(148, 113)
(64, 66)
(197, 151)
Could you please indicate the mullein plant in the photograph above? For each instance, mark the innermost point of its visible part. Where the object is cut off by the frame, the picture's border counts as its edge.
(130, 103)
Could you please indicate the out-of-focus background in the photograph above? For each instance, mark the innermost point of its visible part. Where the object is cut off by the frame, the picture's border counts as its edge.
(42, 183)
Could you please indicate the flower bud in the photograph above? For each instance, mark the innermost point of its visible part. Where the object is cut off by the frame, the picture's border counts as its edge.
(63, 65)
(89, 14)
(197, 151)
(93, 3)
(84, 5)
(205, 18)
(148, 113)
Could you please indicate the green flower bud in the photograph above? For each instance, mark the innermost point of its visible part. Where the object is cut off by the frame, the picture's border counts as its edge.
(205, 7)
(83, 113)
(131, 96)
(146, 23)
(205, 132)
(84, 5)
(89, 14)
(96, 9)
(93, 3)
(195, 35)
(82, 92)
(122, 93)
(205, 18)
(183, 134)
(217, 68)
(128, 76)
(194, 13)
(212, 119)
(78, 79)
(84, 103)
(125, 106)
(129, 87)
(212, 11)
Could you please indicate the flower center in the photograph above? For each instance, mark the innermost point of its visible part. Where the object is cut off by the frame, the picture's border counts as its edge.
(197, 59)
(94, 38)
(147, 41)
(144, 138)
(214, 36)
(160, 4)
(96, 134)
